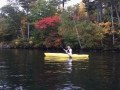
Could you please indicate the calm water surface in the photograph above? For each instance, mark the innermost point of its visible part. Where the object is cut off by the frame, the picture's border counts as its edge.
(29, 70)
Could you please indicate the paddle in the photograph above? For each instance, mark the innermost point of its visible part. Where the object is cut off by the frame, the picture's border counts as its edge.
(66, 52)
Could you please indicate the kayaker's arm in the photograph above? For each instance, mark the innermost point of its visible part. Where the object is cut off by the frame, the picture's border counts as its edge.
(66, 51)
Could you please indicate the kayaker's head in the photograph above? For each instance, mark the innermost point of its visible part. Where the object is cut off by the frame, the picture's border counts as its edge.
(68, 47)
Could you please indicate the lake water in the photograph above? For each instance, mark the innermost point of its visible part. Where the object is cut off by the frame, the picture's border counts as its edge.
(29, 70)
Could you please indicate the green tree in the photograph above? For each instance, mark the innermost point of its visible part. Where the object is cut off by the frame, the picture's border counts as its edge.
(3, 30)
(27, 5)
(41, 10)
(12, 16)
(58, 2)
(87, 30)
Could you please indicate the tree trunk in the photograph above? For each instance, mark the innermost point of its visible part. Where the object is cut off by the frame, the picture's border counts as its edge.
(77, 35)
(112, 24)
(27, 10)
(101, 42)
(28, 30)
(117, 13)
(63, 4)
(99, 10)
(22, 32)
(17, 34)
(88, 10)
(97, 14)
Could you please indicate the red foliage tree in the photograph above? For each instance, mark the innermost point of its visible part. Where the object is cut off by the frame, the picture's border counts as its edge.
(50, 26)
(47, 22)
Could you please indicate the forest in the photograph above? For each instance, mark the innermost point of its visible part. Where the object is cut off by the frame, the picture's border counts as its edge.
(91, 24)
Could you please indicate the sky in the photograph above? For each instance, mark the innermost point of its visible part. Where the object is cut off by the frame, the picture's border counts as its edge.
(3, 2)
(72, 2)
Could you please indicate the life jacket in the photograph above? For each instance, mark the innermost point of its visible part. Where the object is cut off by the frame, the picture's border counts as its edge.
(68, 51)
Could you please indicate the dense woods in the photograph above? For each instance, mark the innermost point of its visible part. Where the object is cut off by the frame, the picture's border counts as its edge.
(91, 24)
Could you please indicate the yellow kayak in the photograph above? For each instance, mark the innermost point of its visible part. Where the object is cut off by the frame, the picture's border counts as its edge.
(65, 59)
(66, 55)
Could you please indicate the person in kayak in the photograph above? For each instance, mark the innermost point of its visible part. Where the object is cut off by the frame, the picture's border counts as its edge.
(69, 50)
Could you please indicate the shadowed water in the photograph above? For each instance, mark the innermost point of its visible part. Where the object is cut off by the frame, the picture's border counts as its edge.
(29, 70)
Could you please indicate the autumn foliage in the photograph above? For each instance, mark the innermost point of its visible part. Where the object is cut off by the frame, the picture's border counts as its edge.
(47, 22)
(50, 25)
(53, 39)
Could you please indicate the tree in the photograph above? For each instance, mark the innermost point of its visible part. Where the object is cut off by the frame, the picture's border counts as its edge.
(115, 4)
(50, 33)
(3, 30)
(99, 10)
(90, 9)
(23, 26)
(12, 15)
(87, 30)
(47, 22)
(41, 10)
(58, 2)
(27, 5)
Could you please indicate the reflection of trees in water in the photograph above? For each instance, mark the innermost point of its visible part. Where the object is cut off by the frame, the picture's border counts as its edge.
(64, 73)
(104, 72)
(22, 67)
(27, 69)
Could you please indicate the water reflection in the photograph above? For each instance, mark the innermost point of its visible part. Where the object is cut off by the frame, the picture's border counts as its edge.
(67, 70)
(104, 72)
(30, 70)
(69, 65)
(18, 69)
